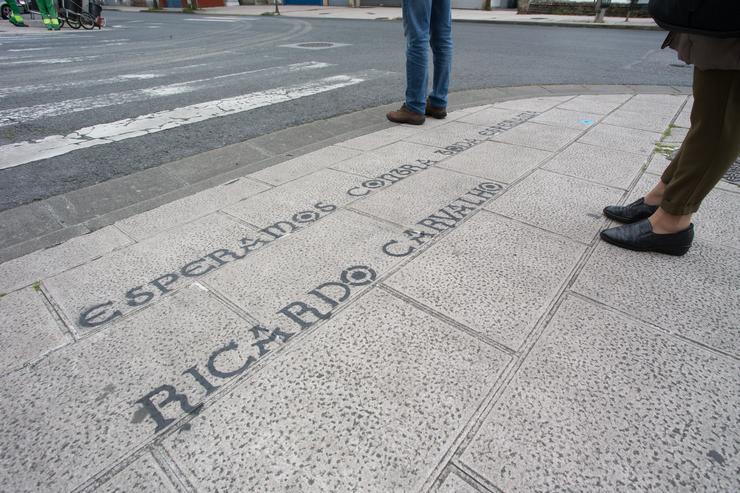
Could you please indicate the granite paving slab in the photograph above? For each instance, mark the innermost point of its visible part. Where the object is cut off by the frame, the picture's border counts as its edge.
(142, 475)
(304, 165)
(481, 276)
(538, 136)
(382, 407)
(133, 277)
(496, 161)
(621, 138)
(28, 329)
(557, 203)
(41, 264)
(75, 413)
(604, 403)
(597, 164)
(600, 104)
(384, 159)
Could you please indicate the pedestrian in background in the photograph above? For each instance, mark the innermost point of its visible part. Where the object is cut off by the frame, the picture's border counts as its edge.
(661, 220)
(426, 23)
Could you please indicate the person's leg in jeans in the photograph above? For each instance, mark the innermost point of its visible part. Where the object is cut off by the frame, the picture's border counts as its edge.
(416, 24)
(441, 42)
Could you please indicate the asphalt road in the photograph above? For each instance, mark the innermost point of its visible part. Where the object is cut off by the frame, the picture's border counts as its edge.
(202, 83)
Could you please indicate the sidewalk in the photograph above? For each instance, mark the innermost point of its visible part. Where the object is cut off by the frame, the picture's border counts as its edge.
(503, 16)
(413, 309)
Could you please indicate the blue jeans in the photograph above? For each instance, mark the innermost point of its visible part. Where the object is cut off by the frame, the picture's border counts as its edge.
(427, 23)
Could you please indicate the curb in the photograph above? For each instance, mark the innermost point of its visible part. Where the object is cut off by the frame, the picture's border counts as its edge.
(628, 27)
(273, 150)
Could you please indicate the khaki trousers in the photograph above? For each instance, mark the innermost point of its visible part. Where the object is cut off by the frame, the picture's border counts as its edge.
(711, 145)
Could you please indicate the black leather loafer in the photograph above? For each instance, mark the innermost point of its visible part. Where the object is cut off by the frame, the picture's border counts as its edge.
(636, 211)
(640, 237)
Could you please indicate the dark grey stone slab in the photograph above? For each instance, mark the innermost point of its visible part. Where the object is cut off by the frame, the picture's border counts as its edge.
(42, 264)
(87, 203)
(25, 223)
(202, 166)
(28, 329)
(603, 403)
(483, 276)
(74, 414)
(358, 406)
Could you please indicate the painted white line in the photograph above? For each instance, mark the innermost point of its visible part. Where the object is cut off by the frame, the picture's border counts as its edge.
(212, 20)
(39, 88)
(28, 113)
(53, 61)
(29, 49)
(55, 145)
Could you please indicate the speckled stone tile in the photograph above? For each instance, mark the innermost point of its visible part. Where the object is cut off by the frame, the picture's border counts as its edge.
(538, 136)
(414, 198)
(270, 279)
(304, 165)
(380, 138)
(150, 223)
(599, 104)
(622, 139)
(658, 163)
(74, 414)
(26, 270)
(533, 104)
(496, 161)
(109, 278)
(143, 475)
(667, 104)
(454, 484)
(605, 404)
(684, 118)
(489, 116)
(598, 164)
(281, 203)
(643, 120)
(370, 402)
(483, 277)
(559, 117)
(385, 159)
(677, 136)
(448, 134)
(697, 295)
(27, 329)
(558, 203)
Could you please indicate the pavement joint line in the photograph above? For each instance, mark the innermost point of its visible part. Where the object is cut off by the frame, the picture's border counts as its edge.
(453, 468)
(171, 468)
(98, 221)
(238, 220)
(448, 320)
(475, 476)
(538, 329)
(656, 328)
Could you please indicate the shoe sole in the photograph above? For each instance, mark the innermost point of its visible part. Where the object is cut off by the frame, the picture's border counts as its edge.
(676, 252)
(407, 122)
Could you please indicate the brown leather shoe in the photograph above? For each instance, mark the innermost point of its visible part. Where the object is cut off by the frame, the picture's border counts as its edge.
(405, 115)
(435, 112)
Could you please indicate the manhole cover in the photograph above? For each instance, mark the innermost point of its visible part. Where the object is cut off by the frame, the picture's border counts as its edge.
(314, 45)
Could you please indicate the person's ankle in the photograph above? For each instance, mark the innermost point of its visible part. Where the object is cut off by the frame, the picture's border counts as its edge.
(666, 224)
(652, 200)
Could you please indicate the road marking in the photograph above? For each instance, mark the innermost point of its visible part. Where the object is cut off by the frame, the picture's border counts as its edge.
(52, 61)
(28, 113)
(29, 49)
(12, 155)
(39, 88)
(216, 19)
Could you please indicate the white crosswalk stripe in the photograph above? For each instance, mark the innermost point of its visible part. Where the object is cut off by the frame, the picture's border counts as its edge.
(16, 154)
